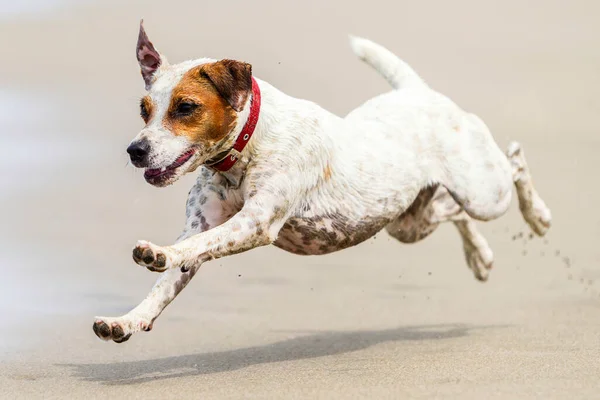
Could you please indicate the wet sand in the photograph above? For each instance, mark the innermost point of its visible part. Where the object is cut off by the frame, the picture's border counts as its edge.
(381, 320)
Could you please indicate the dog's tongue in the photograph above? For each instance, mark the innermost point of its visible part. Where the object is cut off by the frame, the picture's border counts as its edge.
(152, 172)
(180, 160)
(184, 157)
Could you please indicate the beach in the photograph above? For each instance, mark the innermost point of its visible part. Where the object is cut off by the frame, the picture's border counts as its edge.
(379, 320)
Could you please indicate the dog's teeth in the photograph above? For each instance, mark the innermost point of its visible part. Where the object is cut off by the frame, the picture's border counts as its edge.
(163, 169)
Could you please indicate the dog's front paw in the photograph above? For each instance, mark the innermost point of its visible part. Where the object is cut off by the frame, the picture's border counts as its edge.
(119, 330)
(153, 257)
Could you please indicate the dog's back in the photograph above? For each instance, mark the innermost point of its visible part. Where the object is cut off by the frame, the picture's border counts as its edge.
(430, 122)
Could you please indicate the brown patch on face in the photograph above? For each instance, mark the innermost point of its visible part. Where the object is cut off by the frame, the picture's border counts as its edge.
(211, 117)
(327, 172)
(233, 79)
(146, 109)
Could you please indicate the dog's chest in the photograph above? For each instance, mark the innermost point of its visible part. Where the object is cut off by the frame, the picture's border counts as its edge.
(327, 233)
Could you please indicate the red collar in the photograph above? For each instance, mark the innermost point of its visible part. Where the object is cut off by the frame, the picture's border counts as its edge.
(233, 155)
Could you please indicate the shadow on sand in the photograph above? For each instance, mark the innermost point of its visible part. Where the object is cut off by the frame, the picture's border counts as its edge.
(305, 347)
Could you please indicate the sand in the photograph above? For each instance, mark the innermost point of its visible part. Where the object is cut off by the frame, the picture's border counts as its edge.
(381, 320)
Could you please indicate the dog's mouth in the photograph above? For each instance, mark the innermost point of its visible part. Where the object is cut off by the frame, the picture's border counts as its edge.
(158, 176)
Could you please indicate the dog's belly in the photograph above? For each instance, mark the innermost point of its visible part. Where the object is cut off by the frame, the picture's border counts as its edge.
(327, 233)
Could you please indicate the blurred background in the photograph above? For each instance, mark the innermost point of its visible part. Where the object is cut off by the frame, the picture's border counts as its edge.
(373, 320)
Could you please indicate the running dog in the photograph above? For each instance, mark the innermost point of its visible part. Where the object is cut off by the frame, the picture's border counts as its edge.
(273, 169)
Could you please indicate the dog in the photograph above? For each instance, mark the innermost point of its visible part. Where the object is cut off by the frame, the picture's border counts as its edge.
(273, 169)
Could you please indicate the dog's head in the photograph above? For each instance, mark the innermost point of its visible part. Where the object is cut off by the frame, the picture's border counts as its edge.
(192, 112)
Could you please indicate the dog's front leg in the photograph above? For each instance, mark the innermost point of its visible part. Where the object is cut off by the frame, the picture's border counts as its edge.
(120, 329)
(209, 205)
(257, 224)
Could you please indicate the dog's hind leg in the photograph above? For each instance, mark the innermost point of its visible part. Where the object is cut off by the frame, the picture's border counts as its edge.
(433, 206)
(477, 173)
(420, 219)
(534, 210)
(478, 254)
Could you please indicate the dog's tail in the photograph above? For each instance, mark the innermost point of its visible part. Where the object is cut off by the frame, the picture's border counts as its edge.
(397, 72)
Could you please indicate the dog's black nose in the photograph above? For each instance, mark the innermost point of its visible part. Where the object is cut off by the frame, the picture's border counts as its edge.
(138, 151)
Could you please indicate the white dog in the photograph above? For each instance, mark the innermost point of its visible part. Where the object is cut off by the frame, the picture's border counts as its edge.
(278, 170)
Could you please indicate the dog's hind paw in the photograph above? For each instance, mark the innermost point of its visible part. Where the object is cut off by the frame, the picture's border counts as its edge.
(151, 256)
(536, 213)
(480, 261)
(534, 210)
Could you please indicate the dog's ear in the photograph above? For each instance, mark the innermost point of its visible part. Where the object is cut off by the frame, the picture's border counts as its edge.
(150, 59)
(233, 80)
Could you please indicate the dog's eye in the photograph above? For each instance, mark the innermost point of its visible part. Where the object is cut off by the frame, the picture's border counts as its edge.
(185, 108)
(144, 111)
